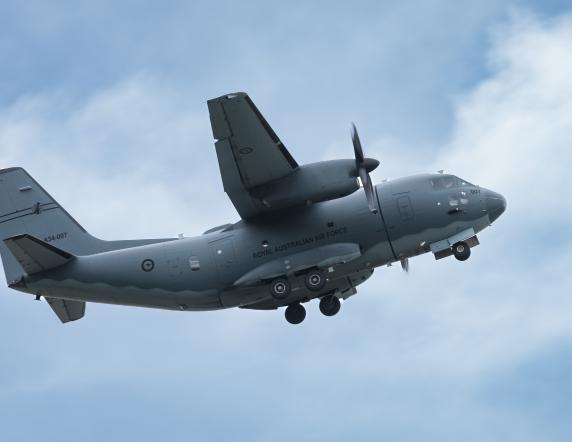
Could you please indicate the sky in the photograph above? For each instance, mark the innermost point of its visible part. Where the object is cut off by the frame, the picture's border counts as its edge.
(104, 103)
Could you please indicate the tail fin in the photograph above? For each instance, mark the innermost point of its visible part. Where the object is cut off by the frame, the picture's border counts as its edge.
(26, 208)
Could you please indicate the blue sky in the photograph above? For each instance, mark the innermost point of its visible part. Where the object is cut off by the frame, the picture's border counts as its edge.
(105, 105)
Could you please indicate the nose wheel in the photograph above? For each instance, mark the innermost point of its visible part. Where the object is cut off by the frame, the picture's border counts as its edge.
(461, 251)
(295, 313)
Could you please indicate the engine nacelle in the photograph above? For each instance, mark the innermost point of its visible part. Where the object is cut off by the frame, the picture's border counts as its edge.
(311, 183)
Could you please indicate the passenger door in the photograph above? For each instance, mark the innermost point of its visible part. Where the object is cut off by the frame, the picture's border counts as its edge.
(399, 216)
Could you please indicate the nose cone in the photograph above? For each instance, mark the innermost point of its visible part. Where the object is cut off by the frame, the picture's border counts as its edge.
(495, 204)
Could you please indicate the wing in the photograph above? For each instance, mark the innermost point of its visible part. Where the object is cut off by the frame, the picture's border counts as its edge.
(249, 152)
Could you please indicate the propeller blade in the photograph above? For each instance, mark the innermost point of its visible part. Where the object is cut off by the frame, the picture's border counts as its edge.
(357, 146)
(363, 167)
(368, 188)
(405, 265)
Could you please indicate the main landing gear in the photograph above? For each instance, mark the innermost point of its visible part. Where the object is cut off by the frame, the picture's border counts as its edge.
(330, 305)
(314, 280)
(280, 289)
(462, 251)
(295, 313)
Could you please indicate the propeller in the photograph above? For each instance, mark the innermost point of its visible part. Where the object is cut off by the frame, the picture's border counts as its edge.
(363, 167)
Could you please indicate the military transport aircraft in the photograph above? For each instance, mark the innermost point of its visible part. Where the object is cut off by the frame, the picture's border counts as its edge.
(306, 232)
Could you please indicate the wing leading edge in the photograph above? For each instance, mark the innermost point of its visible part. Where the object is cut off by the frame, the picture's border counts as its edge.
(249, 152)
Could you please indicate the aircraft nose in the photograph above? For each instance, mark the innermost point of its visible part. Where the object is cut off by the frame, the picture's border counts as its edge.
(495, 204)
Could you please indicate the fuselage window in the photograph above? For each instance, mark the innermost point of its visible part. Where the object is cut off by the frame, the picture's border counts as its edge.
(194, 263)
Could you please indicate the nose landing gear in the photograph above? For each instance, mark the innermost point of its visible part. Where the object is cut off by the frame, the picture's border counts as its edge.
(462, 251)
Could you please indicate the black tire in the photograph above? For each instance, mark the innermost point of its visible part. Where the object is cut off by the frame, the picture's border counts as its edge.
(461, 251)
(295, 313)
(280, 288)
(330, 305)
(315, 280)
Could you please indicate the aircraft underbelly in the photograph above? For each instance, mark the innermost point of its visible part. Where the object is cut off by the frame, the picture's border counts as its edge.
(127, 295)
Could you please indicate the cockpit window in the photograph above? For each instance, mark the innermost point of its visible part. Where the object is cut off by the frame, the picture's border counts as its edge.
(443, 182)
(448, 182)
(464, 183)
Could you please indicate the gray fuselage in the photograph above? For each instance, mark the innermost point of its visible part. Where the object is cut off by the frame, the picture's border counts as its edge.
(201, 273)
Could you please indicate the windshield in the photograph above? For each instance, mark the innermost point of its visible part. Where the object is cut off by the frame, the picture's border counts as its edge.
(443, 182)
(463, 183)
(448, 182)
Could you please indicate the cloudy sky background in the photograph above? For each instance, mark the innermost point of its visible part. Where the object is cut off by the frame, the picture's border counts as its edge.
(105, 105)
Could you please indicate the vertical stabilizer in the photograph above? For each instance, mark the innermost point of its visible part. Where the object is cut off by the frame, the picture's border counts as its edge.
(26, 208)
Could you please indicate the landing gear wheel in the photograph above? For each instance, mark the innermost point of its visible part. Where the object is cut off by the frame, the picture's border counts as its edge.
(329, 305)
(280, 288)
(295, 313)
(315, 280)
(461, 251)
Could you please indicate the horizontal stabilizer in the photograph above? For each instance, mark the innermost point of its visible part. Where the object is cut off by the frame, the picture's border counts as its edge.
(35, 255)
(67, 310)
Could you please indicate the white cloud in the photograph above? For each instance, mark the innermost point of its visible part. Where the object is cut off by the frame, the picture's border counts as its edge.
(127, 161)
(514, 131)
